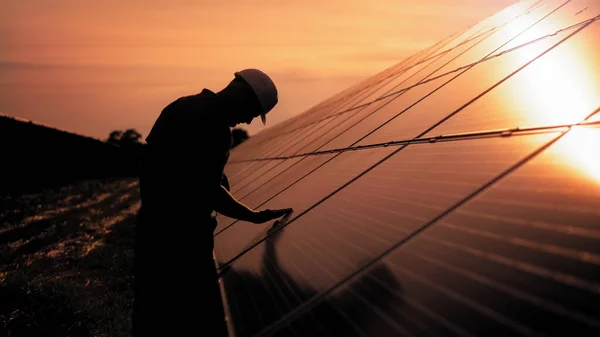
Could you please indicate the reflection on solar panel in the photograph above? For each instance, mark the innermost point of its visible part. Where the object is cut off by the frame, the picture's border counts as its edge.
(455, 193)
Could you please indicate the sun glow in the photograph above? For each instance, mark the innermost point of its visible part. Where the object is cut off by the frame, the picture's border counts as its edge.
(578, 152)
(560, 87)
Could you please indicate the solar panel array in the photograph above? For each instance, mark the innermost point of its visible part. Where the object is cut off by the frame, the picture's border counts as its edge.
(455, 193)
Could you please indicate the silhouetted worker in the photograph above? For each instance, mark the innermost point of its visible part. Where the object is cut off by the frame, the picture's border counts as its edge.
(181, 184)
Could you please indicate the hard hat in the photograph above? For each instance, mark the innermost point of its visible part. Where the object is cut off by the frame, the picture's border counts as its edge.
(263, 87)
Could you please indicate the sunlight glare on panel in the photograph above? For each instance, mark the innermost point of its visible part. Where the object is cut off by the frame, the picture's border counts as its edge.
(560, 87)
(577, 152)
(594, 118)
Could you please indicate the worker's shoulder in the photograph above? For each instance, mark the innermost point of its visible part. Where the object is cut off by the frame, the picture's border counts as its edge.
(203, 100)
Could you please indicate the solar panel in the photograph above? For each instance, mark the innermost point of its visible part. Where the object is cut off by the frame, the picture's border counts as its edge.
(510, 260)
(368, 217)
(454, 193)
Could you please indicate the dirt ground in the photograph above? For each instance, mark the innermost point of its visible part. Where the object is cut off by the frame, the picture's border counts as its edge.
(66, 260)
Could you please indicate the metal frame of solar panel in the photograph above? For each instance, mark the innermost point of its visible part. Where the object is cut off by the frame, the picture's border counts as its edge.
(428, 200)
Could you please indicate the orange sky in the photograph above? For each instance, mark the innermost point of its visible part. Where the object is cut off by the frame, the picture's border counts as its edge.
(95, 67)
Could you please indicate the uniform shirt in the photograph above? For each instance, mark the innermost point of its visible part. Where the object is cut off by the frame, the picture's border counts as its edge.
(188, 148)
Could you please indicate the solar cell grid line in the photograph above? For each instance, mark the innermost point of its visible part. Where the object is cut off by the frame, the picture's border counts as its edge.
(421, 321)
(283, 181)
(280, 150)
(240, 193)
(249, 148)
(507, 13)
(368, 91)
(258, 174)
(314, 141)
(267, 174)
(322, 113)
(335, 127)
(350, 227)
(242, 174)
(571, 86)
(229, 243)
(248, 161)
(408, 81)
(499, 240)
(350, 103)
(386, 131)
(231, 170)
(567, 16)
(314, 131)
(272, 150)
(349, 93)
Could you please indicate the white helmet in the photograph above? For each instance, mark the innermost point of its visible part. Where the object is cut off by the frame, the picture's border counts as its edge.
(263, 87)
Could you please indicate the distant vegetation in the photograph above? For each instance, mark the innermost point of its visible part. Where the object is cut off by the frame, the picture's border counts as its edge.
(239, 135)
(129, 138)
(37, 157)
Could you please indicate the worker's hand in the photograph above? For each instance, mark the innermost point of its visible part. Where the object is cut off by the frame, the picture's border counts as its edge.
(269, 214)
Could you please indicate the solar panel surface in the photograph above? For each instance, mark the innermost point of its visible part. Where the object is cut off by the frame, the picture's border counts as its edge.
(454, 193)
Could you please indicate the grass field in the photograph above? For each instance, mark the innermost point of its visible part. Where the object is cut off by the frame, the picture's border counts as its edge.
(66, 260)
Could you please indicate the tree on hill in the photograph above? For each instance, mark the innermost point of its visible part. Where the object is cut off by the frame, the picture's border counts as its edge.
(239, 135)
(129, 138)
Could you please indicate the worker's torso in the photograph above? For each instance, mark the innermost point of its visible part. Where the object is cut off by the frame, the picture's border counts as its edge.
(188, 148)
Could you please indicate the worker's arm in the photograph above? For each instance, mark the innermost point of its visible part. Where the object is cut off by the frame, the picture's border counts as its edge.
(227, 205)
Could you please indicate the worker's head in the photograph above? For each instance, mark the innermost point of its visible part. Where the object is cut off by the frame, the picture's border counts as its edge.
(250, 94)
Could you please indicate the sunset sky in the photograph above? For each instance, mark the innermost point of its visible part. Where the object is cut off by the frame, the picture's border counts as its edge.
(94, 67)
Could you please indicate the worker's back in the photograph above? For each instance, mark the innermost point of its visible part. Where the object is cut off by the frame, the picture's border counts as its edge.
(187, 150)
